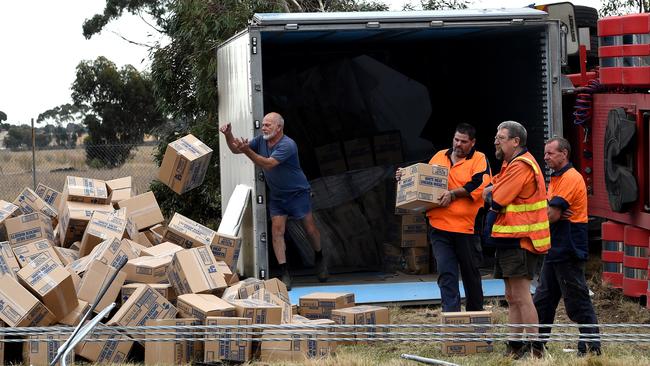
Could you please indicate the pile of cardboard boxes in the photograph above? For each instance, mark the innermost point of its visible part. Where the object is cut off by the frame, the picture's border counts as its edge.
(58, 249)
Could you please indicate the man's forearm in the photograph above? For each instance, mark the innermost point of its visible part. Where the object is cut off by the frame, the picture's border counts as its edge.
(264, 163)
(230, 141)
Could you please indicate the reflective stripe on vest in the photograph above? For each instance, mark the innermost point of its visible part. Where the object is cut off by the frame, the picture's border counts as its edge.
(538, 230)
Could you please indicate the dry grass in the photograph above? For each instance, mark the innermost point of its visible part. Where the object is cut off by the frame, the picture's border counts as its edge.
(52, 166)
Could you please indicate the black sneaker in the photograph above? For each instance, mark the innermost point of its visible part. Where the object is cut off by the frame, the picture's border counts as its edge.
(514, 350)
(537, 349)
(286, 279)
(321, 269)
(591, 352)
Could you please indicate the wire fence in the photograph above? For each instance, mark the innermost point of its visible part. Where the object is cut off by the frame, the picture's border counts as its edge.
(90, 161)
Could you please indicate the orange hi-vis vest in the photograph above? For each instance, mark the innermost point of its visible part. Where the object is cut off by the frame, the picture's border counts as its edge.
(526, 218)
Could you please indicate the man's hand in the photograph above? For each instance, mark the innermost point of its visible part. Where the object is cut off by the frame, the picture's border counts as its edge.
(241, 145)
(398, 174)
(486, 191)
(566, 214)
(445, 199)
(226, 129)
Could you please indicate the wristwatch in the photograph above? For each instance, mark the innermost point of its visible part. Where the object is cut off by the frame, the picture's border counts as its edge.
(453, 195)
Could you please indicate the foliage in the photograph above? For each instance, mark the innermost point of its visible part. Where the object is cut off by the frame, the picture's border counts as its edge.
(20, 137)
(184, 75)
(3, 116)
(438, 5)
(620, 7)
(120, 108)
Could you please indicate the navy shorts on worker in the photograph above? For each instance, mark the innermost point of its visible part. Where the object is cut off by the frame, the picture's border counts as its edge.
(290, 193)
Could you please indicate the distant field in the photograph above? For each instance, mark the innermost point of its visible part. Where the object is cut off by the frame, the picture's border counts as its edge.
(52, 166)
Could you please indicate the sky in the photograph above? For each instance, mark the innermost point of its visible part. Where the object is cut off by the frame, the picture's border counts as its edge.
(41, 43)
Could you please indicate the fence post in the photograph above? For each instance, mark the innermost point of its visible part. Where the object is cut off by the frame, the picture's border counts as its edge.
(33, 155)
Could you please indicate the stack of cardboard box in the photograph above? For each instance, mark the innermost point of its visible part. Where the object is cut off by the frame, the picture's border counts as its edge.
(480, 320)
(58, 249)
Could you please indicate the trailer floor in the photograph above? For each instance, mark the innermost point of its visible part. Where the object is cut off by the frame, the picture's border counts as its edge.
(385, 288)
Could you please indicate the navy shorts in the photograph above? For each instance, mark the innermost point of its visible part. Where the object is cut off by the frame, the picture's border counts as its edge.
(297, 206)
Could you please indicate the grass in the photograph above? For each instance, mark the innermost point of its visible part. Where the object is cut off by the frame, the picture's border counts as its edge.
(52, 166)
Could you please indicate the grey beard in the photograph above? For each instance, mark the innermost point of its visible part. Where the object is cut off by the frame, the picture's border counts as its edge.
(499, 154)
(269, 136)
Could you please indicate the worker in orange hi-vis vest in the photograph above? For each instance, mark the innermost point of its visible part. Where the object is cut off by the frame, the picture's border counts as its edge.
(517, 225)
(563, 272)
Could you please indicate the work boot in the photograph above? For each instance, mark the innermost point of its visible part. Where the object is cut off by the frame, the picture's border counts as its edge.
(515, 350)
(595, 351)
(537, 349)
(286, 279)
(320, 265)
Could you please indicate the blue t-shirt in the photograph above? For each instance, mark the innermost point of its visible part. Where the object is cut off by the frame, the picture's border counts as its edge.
(287, 178)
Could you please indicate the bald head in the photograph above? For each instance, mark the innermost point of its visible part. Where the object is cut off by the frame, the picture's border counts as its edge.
(272, 126)
(275, 118)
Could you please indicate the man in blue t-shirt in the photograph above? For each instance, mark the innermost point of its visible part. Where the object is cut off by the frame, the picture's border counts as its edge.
(289, 196)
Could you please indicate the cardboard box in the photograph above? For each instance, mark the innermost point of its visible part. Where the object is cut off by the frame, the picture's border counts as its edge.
(67, 256)
(185, 163)
(143, 209)
(260, 312)
(362, 314)
(40, 350)
(2, 345)
(267, 296)
(20, 308)
(78, 189)
(235, 347)
(119, 189)
(277, 287)
(388, 148)
(29, 202)
(358, 153)
(148, 269)
(330, 159)
(414, 231)
(113, 252)
(95, 277)
(201, 306)
(306, 345)
(75, 245)
(162, 249)
(50, 195)
(74, 317)
(243, 289)
(135, 246)
(480, 318)
(7, 210)
(195, 271)
(188, 233)
(74, 218)
(102, 226)
(177, 352)
(319, 305)
(114, 350)
(144, 304)
(417, 260)
(226, 248)
(421, 186)
(29, 228)
(392, 257)
(165, 289)
(8, 263)
(52, 285)
(25, 253)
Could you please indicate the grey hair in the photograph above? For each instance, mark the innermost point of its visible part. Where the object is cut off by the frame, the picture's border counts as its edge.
(562, 144)
(515, 129)
(277, 117)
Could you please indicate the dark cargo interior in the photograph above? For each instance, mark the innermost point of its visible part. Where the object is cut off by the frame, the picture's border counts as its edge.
(332, 87)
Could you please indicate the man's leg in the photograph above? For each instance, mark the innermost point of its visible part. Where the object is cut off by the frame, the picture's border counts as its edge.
(547, 296)
(469, 254)
(278, 225)
(443, 250)
(320, 263)
(514, 347)
(578, 303)
(520, 295)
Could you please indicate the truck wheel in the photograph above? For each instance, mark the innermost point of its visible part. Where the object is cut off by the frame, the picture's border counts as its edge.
(619, 160)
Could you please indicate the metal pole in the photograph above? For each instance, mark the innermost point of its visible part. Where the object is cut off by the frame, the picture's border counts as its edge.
(33, 155)
(428, 361)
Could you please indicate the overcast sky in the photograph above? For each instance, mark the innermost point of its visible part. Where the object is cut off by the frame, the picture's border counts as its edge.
(41, 44)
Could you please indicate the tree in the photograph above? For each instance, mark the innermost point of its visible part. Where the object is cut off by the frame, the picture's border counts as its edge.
(120, 107)
(620, 7)
(184, 72)
(3, 116)
(438, 5)
(20, 138)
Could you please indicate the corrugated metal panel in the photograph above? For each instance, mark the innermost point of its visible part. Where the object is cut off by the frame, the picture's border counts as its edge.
(263, 19)
(235, 106)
